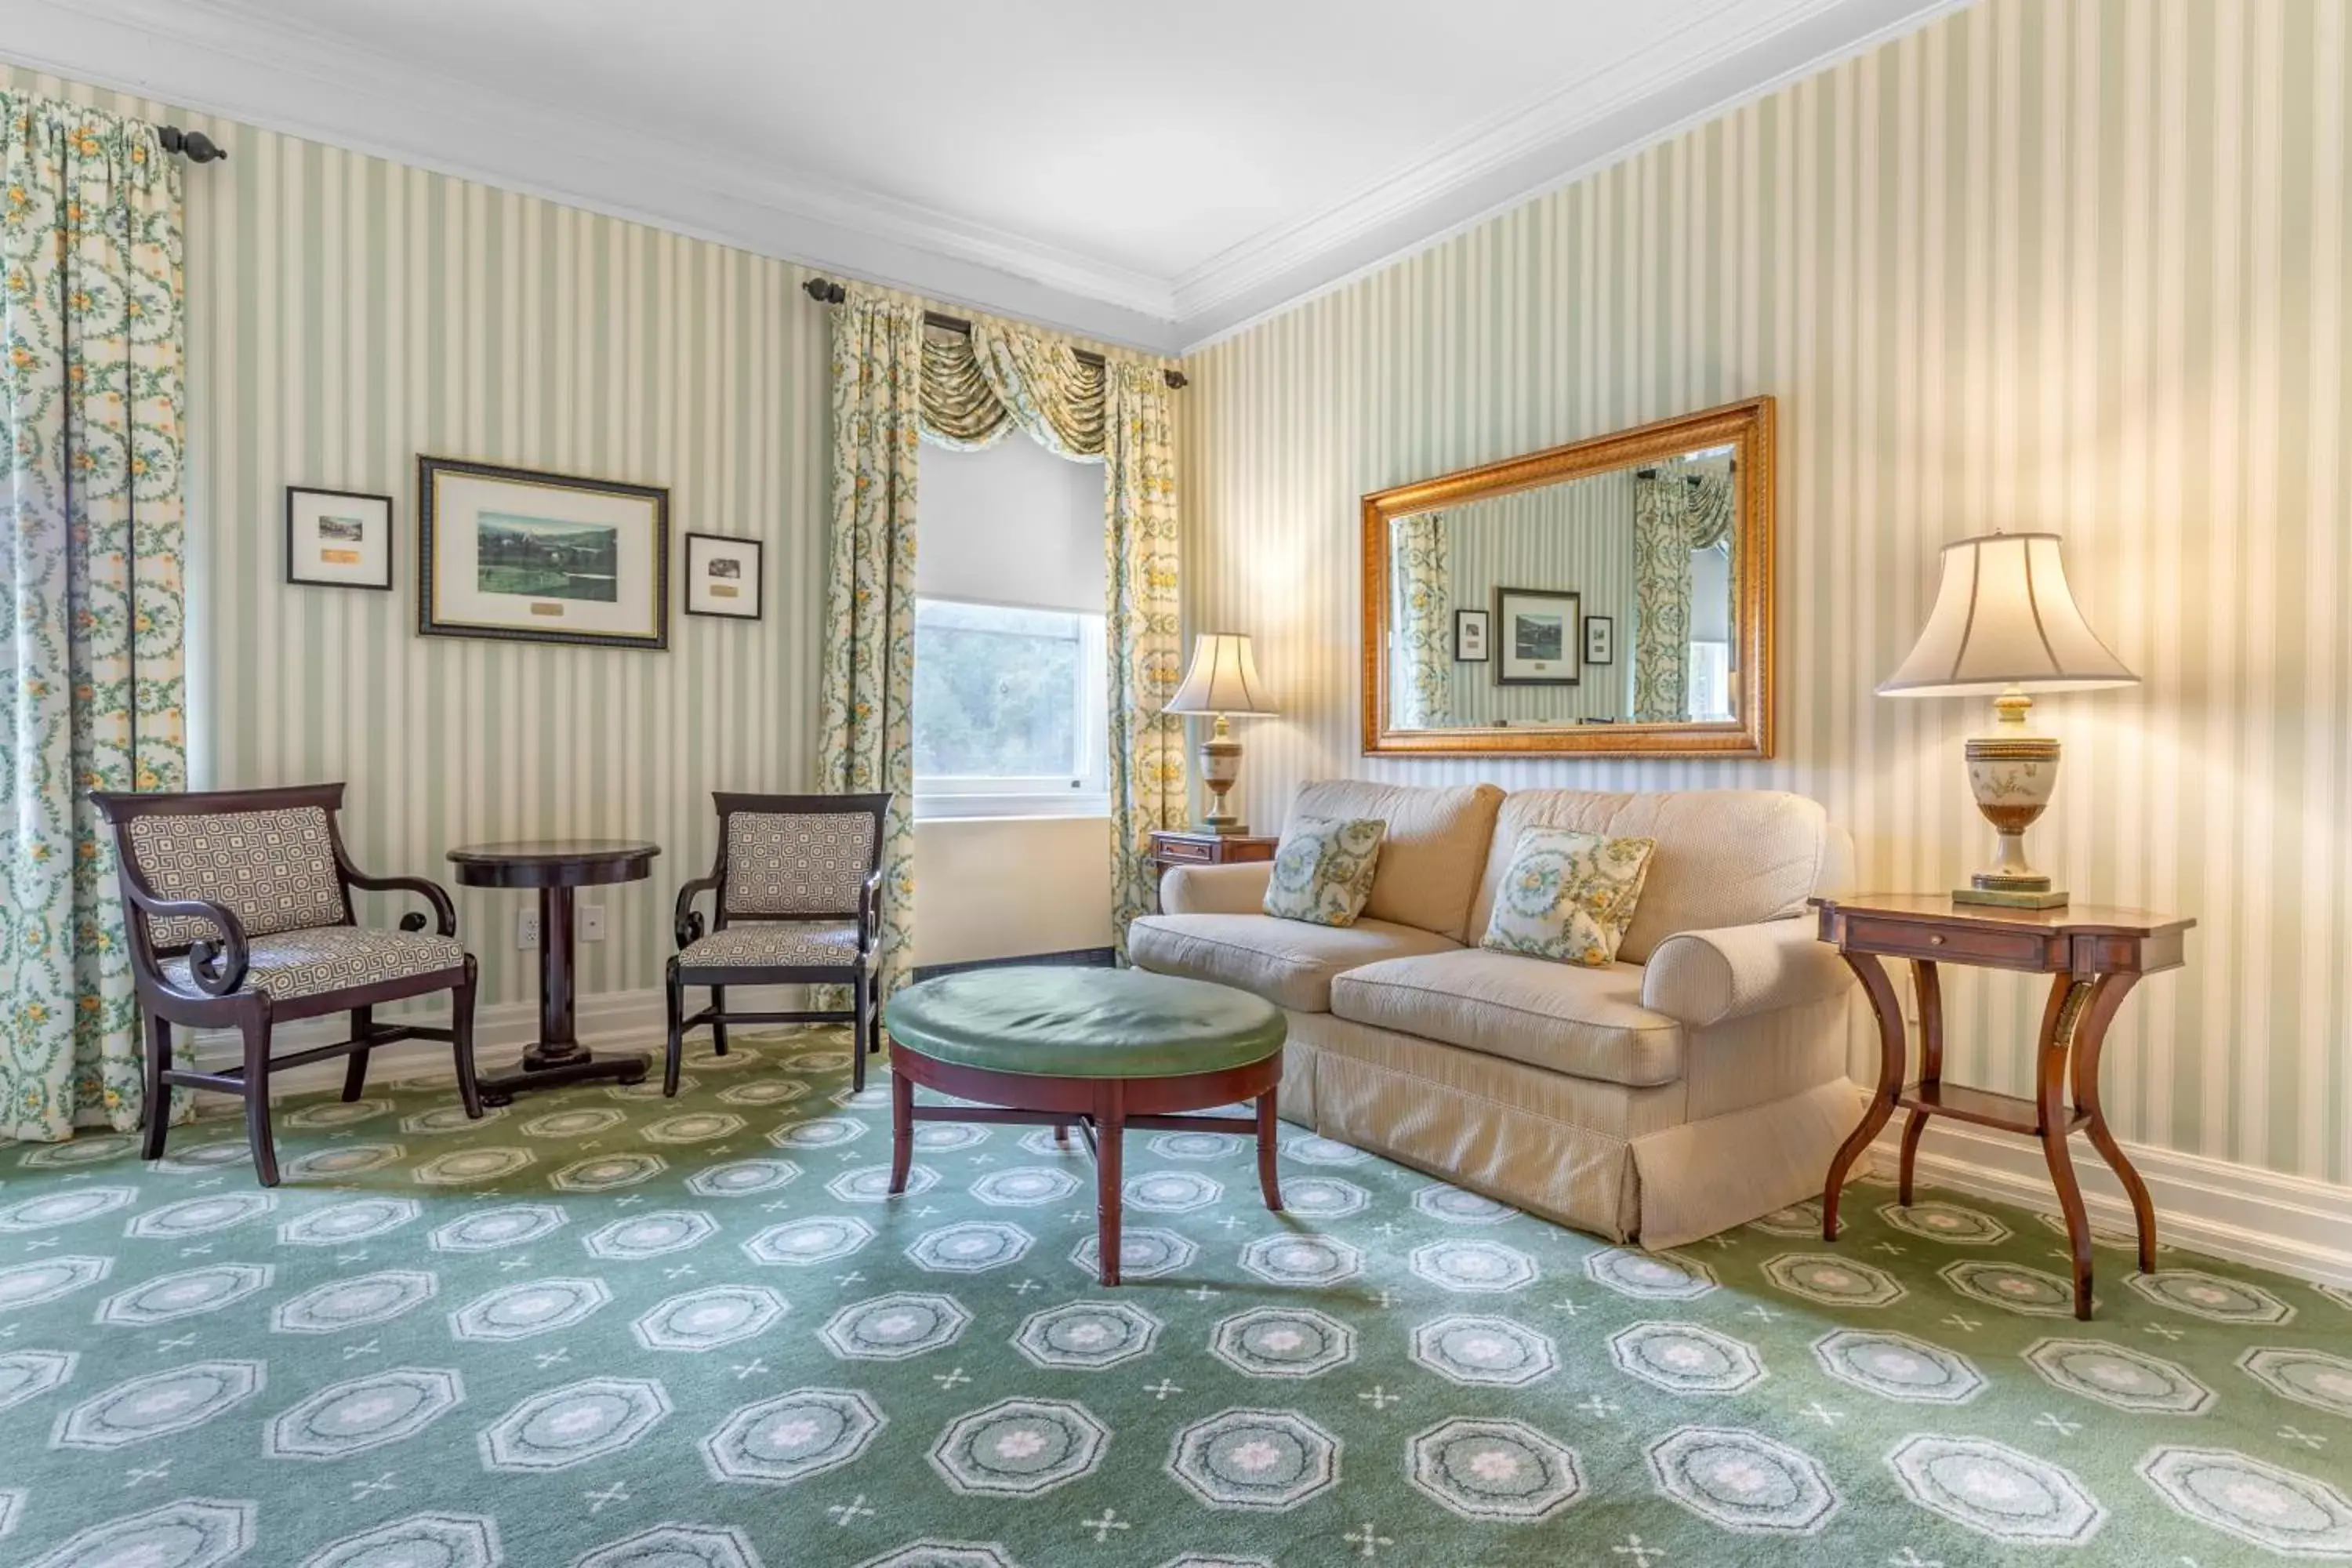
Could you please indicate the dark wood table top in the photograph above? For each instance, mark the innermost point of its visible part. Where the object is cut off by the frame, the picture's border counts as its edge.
(1940, 908)
(554, 862)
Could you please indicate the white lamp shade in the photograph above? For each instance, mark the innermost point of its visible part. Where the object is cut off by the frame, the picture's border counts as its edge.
(1222, 678)
(2004, 617)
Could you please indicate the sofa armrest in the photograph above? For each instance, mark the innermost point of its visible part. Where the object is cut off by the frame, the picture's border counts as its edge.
(1703, 977)
(1216, 889)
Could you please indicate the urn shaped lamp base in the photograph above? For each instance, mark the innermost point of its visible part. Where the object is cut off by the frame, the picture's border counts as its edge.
(1221, 765)
(2012, 772)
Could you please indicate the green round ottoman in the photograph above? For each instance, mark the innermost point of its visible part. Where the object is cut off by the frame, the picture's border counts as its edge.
(1104, 1048)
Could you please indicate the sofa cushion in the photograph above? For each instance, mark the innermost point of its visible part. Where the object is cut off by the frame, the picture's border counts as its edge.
(1430, 860)
(1726, 857)
(1288, 962)
(1589, 1023)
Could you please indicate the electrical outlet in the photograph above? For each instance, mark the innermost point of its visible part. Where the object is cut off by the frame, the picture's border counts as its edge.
(592, 923)
(526, 929)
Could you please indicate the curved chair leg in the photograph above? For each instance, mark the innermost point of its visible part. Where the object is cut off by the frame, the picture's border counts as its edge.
(355, 1066)
(255, 1028)
(674, 1044)
(461, 1045)
(157, 1113)
(719, 1023)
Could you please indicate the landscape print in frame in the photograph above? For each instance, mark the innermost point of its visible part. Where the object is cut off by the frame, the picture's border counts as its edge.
(522, 555)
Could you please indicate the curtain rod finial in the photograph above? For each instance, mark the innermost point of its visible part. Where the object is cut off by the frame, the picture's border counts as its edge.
(194, 145)
(825, 290)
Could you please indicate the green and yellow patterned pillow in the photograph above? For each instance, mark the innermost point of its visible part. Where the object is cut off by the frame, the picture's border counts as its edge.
(1568, 896)
(1323, 870)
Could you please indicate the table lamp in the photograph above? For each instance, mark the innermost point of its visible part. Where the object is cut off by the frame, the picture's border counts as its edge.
(2006, 623)
(1221, 680)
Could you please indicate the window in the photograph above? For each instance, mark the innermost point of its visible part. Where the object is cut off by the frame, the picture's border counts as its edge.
(1008, 712)
(1010, 688)
(1710, 682)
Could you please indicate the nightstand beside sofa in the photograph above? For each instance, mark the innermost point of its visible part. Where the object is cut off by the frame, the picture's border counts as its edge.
(1696, 1083)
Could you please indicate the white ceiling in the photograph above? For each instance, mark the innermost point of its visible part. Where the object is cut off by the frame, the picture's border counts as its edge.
(1154, 172)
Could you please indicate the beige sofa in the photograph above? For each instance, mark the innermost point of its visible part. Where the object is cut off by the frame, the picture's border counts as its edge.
(1693, 1085)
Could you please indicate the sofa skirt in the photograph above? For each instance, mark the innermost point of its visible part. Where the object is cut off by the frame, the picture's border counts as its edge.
(1619, 1161)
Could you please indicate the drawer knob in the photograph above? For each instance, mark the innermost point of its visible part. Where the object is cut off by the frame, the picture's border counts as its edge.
(1935, 941)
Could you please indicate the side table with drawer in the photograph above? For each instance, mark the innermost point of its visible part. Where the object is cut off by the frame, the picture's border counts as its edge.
(2094, 957)
(1185, 847)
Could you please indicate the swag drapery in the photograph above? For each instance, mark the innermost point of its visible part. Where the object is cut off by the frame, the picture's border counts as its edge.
(1678, 509)
(892, 384)
(92, 363)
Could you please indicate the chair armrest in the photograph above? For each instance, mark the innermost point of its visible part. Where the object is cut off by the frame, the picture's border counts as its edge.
(1703, 977)
(687, 927)
(870, 913)
(1216, 889)
(445, 913)
(216, 972)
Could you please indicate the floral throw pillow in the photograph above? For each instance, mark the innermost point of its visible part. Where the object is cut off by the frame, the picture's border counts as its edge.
(1568, 896)
(1323, 870)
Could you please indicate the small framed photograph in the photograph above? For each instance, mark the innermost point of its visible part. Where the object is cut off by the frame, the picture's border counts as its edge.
(338, 539)
(1599, 639)
(526, 556)
(1470, 637)
(722, 576)
(1540, 630)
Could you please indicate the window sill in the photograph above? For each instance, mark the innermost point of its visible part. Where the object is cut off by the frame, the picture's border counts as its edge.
(1009, 808)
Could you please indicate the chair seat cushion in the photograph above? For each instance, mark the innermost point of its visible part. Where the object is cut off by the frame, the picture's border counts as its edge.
(1588, 1023)
(775, 944)
(1288, 962)
(1083, 1022)
(333, 958)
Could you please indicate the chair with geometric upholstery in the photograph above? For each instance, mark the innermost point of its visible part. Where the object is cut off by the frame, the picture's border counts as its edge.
(798, 902)
(240, 918)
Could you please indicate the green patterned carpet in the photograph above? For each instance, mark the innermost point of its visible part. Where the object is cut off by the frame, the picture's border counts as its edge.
(604, 1329)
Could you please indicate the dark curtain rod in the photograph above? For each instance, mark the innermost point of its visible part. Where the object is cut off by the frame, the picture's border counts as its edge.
(825, 291)
(194, 145)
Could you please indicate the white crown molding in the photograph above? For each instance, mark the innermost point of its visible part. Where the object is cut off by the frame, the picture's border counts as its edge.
(1527, 151)
(257, 66)
(251, 68)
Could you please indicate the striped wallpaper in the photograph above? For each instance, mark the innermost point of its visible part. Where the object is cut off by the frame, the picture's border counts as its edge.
(348, 313)
(1572, 538)
(2075, 264)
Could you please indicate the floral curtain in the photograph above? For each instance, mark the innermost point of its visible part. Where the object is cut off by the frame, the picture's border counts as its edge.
(1424, 596)
(1146, 741)
(1002, 376)
(1662, 595)
(867, 709)
(91, 590)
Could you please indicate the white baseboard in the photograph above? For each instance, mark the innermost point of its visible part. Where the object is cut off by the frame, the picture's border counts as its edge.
(2291, 1224)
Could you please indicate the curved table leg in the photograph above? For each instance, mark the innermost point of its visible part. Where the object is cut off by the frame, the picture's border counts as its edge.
(2090, 1037)
(902, 1130)
(1931, 1066)
(2060, 1015)
(1892, 1043)
(1268, 1182)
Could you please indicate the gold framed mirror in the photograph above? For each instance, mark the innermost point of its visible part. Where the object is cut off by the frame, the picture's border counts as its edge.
(1608, 598)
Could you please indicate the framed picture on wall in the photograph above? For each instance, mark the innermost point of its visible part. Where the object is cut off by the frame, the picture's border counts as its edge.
(722, 576)
(524, 556)
(1599, 639)
(1538, 629)
(1470, 637)
(338, 539)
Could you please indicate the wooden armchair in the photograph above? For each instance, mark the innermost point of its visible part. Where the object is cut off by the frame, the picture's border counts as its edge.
(239, 912)
(798, 902)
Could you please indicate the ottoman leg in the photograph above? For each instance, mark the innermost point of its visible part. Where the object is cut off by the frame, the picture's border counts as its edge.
(1111, 1135)
(1267, 1180)
(902, 1130)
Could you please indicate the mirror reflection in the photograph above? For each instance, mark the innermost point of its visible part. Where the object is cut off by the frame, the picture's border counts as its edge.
(1607, 598)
